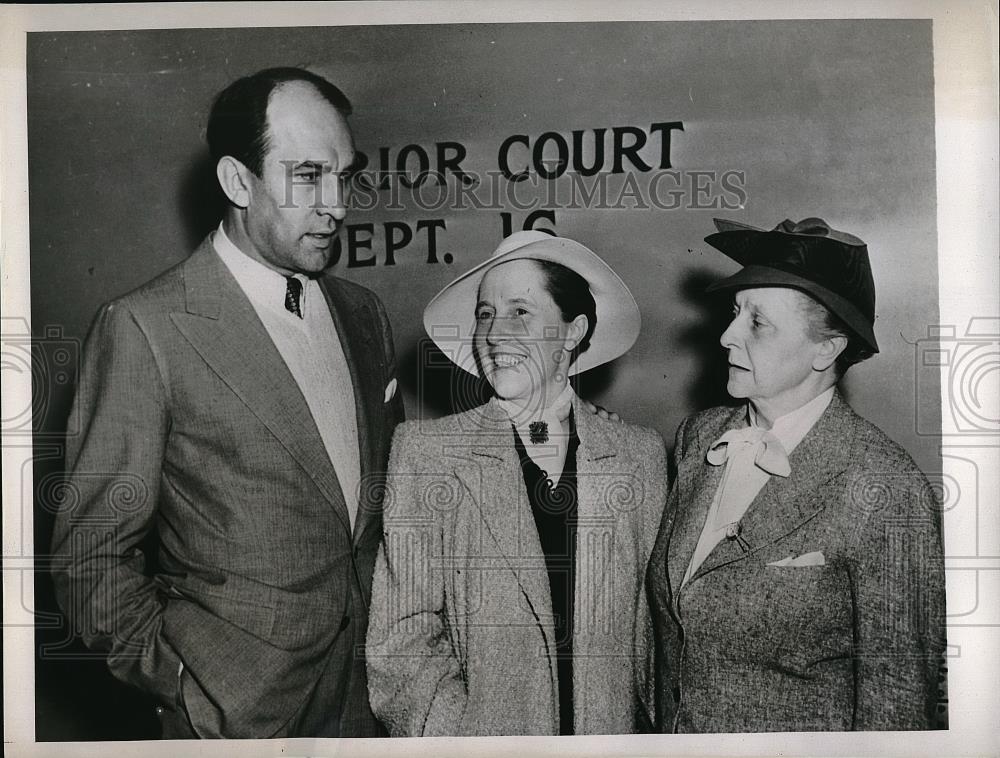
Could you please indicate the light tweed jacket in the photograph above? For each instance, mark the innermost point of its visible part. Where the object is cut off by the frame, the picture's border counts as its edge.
(852, 642)
(461, 634)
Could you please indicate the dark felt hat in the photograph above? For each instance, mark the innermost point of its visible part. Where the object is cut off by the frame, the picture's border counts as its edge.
(831, 266)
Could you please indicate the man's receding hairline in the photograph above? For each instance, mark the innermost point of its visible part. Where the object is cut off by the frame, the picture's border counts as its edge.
(293, 83)
(266, 135)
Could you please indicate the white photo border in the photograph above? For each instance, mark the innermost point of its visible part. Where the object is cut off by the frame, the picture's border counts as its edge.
(965, 68)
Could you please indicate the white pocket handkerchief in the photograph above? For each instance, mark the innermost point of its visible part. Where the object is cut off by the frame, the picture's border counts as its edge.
(814, 558)
(390, 391)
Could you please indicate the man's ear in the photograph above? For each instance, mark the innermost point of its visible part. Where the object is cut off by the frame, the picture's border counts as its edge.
(828, 351)
(575, 332)
(234, 178)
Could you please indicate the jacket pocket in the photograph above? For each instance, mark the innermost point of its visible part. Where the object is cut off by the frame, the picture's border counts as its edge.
(255, 617)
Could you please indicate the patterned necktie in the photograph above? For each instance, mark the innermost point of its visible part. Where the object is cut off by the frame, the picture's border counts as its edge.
(293, 295)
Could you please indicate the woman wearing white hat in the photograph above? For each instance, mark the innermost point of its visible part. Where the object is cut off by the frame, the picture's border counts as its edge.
(797, 581)
(506, 597)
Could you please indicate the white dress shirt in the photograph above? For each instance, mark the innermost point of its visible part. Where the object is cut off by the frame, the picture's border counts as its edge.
(743, 479)
(311, 348)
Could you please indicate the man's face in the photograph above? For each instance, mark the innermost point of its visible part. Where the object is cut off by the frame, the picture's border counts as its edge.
(299, 202)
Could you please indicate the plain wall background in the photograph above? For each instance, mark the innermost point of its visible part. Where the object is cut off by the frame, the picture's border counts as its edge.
(825, 118)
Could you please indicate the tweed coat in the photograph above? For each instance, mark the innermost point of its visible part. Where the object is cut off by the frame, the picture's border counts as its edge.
(852, 643)
(192, 428)
(461, 639)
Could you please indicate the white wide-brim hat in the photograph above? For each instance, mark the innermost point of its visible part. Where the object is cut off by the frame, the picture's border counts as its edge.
(450, 317)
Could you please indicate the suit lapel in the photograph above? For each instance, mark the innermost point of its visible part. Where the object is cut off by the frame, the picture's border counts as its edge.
(596, 461)
(599, 469)
(697, 481)
(223, 327)
(785, 505)
(602, 486)
(353, 319)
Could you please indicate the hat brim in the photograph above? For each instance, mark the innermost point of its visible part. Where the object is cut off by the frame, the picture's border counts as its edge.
(450, 317)
(756, 275)
(737, 240)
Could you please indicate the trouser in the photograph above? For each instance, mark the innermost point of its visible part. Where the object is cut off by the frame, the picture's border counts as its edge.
(338, 705)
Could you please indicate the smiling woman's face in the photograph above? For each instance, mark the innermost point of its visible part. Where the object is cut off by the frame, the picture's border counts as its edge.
(521, 340)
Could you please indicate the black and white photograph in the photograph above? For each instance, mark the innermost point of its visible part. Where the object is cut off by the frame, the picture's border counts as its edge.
(594, 380)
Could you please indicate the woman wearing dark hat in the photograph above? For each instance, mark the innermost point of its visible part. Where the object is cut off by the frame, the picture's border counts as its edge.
(507, 589)
(796, 582)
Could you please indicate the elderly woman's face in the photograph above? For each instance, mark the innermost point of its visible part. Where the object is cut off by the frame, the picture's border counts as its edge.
(771, 355)
(521, 339)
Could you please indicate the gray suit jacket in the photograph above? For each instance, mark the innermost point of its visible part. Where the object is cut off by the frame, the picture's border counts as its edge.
(853, 644)
(461, 640)
(192, 427)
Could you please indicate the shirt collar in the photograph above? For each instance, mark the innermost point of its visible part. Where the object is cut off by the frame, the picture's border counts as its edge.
(262, 285)
(791, 428)
(557, 411)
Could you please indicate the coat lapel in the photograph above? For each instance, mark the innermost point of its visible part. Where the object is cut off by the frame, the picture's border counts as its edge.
(601, 479)
(223, 327)
(354, 319)
(697, 481)
(597, 466)
(491, 472)
(602, 487)
(785, 505)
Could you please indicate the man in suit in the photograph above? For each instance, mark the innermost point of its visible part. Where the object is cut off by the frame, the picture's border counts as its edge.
(236, 412)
